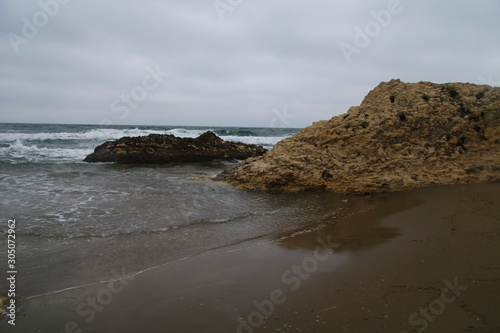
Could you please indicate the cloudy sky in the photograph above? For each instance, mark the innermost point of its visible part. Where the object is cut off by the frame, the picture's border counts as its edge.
(230, 62)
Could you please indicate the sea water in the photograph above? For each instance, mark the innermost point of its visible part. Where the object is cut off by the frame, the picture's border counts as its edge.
(76, 222)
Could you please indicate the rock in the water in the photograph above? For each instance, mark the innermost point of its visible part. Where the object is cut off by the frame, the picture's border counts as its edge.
(164, 148)
(403, 135)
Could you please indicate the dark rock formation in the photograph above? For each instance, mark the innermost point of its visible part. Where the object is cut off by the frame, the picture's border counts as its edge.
(403, 135)
(164, 148)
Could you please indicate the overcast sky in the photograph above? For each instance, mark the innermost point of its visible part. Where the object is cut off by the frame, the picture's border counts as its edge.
(231, 62)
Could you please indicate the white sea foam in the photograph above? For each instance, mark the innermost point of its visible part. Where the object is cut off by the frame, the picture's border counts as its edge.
(74, 146)
(265, 141)
(186, 133)
(90, 135)
(104, 134)
(32, 153)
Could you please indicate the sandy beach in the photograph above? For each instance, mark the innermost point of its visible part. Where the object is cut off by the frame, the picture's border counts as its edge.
(424, 260)
(234, 166)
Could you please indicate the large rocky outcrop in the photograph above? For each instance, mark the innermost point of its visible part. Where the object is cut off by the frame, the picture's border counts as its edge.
(403, 135)
(164, 148)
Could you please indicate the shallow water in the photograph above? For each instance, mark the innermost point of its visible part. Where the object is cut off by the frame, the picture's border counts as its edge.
(78, 221)
(74, 225)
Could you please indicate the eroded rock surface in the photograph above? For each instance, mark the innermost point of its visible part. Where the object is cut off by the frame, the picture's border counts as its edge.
(403, 135)
(164, 148)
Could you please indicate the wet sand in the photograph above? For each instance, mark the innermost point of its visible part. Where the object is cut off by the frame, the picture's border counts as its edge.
(425, 260)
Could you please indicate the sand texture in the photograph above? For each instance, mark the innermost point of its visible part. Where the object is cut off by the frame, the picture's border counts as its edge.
(413, 261)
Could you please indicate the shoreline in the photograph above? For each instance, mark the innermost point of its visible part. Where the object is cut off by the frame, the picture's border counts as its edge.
(373, 271)
(448, 240)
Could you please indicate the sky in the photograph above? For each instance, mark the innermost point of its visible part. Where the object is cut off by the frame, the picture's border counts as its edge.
(248, 63)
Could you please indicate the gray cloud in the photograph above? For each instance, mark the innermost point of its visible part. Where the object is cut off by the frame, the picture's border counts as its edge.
(262, 57)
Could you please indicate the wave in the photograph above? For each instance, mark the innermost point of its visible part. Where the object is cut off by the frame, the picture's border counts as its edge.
(90, 135)
(187, 133)
(72, 146)
(98, 232)
(236, 132)
(32, 153)
(240, 136)
(265, 141)
(113, 133)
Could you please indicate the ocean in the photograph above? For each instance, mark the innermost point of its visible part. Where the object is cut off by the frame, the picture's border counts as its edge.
(76, 222)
